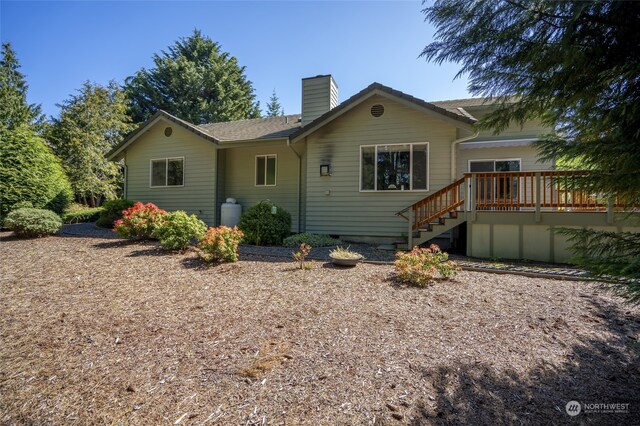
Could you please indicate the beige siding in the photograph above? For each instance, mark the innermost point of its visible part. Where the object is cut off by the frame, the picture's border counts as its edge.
(528, 157)
(530, 129)
(518, 235)
(239, 179)
(197, 196)
(335, 204)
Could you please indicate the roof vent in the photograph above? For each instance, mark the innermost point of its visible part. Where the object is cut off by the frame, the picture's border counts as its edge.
(168, 131)
(377, 110)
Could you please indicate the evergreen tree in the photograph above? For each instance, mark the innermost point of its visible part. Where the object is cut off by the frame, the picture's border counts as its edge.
(14, 109)
(274, 109)
(576, 65)
(29, 171)
(193, 80)
(90, 124)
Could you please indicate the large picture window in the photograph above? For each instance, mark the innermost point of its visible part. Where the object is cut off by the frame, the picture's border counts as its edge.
(167, 172)
(266, 170)
(394, 167)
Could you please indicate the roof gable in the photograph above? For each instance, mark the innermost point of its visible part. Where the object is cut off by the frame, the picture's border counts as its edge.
(160, 115)
(461, 120)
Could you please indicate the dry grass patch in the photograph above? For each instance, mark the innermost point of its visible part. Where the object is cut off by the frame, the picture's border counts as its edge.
(271, 355)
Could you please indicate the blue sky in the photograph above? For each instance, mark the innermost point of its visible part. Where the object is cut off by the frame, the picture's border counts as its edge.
(62, 44)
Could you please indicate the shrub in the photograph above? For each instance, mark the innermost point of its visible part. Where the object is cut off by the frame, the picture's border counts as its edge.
(422, 265)
(220, 244)
(29, 222)
(314, 240)
(261, 227)
(139, 221)
(177, 229)
(344, 253)
(22, 205)
(77, 213)
(112, 211)
(29, 171)
(301, 255)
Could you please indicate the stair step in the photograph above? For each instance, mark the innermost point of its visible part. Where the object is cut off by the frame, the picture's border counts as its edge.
(441, 220)
(453, 214)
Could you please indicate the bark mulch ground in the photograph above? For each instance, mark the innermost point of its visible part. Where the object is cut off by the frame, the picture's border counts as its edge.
(97, 331)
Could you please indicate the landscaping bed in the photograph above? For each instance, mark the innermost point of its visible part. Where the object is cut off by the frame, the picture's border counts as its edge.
(107, 331)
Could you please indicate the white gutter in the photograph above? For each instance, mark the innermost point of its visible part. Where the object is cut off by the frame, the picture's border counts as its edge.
(453, 152)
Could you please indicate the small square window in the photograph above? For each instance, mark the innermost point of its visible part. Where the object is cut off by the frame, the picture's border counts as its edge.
(167, 172)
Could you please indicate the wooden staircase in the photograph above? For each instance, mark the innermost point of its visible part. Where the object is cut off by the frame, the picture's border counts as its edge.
(432, 216)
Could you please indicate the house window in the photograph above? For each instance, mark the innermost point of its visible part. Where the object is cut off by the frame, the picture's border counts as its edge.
(167, 172)
(394, 167)
(266, 170)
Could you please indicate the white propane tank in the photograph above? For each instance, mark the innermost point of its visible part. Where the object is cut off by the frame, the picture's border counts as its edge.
(230, 213)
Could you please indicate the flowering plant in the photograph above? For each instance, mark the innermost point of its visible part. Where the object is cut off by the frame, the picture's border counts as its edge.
(422, 265)
(139, 221)
(220, 244)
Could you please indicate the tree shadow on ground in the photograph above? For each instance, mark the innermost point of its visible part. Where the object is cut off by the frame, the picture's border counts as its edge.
(198, 264)
(116, 244)
(598, 369)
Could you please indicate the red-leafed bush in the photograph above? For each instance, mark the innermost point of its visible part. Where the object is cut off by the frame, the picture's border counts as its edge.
(139, 221)
(422, 265)
(220, 244)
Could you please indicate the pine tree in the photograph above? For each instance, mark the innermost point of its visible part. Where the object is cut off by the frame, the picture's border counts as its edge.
(90, 124)
(15, 111)
(576, 65)
(194, 80)
(274, 109)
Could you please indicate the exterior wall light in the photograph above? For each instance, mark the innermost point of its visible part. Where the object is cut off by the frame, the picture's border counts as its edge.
(325, 170)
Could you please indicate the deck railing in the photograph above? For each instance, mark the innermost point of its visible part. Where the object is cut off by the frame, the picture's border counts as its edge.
(436, 205)
(508, 191)
(543, 190)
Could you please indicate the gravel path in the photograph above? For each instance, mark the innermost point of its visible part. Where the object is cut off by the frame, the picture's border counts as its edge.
(372, 254)
(86, 230)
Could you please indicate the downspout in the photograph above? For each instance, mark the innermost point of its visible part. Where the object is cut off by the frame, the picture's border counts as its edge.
(125, 191)
(453, 152)
(299, 182)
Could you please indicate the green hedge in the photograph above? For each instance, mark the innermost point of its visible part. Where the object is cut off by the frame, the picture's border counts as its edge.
(30, 172)
(80, 215)
(112, 211)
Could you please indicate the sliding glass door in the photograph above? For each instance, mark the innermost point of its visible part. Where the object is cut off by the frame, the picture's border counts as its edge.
(495, 190)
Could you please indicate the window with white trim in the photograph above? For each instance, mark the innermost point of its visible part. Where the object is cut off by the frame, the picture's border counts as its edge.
(167, 172)
(266, 170)
(394, 167)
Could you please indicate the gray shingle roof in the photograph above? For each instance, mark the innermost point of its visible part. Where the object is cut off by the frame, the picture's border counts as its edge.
(256, 128)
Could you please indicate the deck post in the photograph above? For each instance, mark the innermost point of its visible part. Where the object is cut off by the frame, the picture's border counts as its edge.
(610, 210)
(472, 196)
(538, 196)
(410, 229)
